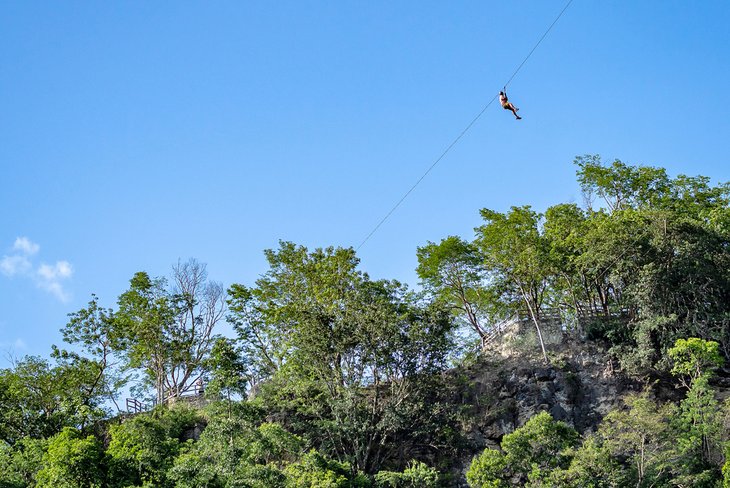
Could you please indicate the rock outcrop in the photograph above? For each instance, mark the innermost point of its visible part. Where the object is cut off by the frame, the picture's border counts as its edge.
(511, 385)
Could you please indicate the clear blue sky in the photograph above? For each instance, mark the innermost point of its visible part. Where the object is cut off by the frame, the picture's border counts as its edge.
(133, 134)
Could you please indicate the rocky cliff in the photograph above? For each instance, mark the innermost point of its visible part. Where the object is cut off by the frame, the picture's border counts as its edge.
(510, 384)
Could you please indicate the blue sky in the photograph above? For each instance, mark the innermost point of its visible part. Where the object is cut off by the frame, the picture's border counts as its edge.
(134, 134)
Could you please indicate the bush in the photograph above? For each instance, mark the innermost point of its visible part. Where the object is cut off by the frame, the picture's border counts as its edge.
(416, 475)
(530, 452)
(72, 462)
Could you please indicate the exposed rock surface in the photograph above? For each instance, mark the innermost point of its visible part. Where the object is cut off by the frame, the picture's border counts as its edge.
(579, 387)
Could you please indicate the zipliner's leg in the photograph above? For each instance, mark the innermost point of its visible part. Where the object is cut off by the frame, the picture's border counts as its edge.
(514, 111)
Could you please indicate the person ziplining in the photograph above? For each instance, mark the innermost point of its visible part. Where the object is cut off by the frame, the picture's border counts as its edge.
(507, 105)
(503, 100)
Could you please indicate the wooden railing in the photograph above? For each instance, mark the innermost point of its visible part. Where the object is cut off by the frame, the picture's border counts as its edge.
(134, 405)
(193, 396)
(554, 316)
(497, 330)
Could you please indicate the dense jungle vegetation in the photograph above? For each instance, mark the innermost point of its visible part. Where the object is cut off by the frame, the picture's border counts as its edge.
(334, 379)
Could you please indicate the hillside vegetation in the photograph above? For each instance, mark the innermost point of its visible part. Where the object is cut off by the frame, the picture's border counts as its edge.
(580, 347)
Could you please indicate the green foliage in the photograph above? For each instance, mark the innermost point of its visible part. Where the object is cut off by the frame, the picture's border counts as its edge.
(272, 443)
(641, 435)
(698, 435)
(234, 448)
(530, 453)
(620, 185)
(515, 253)
(39, 400)
(143, 448)
(592, 466)
(20, 463)
(517, 258)
(227, 371)
(650, 445)
(145, 321)
(488, 470)
(258, 476)
(72, 461)
(239, 450)
(416, 475)
(352, 371)
(660, 250)
(694, 358)
(93, 330)
(315, 471)
(453, 272)
(640, 356)
(539, 444)
(167, 332)
(212, 460)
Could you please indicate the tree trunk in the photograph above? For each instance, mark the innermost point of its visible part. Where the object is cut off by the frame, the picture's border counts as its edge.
(533, 315)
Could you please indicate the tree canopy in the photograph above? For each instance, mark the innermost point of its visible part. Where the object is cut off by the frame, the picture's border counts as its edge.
(326, 377)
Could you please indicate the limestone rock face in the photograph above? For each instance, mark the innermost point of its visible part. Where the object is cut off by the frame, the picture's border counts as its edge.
(579, 388)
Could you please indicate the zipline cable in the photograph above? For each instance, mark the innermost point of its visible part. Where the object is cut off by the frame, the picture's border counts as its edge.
(463, 132)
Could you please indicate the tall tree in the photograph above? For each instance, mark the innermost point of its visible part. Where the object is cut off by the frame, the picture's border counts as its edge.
(39, 399)
(168, 333)
(72, 461)
(641, 435)
(517, 255)
(262, 339)
(619, 185)
(355, 353)
(92, 329)
(145, 318)
(529, 454)
(453, 272)
(227, 369)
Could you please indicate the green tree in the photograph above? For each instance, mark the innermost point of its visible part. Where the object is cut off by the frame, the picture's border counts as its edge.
(39, 399)
(564, 228)
(316, 471)
(530, 453)
(145, 319)
(91, 371)
(262, 339)
(31, 400)
(619, 185)
(20, 463)
(694, 358)
(592, 466)
(517, 255)
(416, 475)
(227, 370)
(72, 461)
(223, 445)
(488, 470)
(143, 448)
(453, 272)
(234, 448)
(355, 354)
(698, 424)
(698, 437)
(92, 329)
(642, 436)
(672, 261)
(168, 333)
